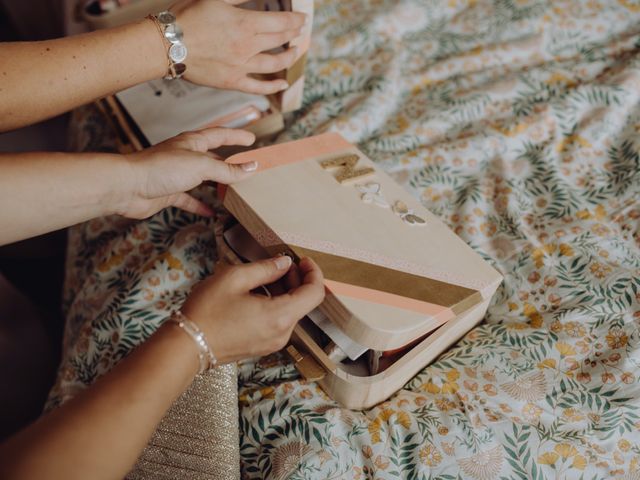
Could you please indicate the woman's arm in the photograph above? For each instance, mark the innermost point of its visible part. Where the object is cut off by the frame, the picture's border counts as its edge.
(41, 192)
(41, 79)
(100, 433)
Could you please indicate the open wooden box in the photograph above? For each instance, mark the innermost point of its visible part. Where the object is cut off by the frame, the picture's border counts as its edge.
(150, 113)
(401, 287)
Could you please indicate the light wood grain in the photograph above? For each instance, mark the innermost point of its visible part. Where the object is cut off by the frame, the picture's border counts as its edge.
(364, 392)
(301, 201)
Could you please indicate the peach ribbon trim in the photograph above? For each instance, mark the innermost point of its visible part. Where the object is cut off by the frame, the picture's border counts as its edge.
(438, 312)
(292, 152)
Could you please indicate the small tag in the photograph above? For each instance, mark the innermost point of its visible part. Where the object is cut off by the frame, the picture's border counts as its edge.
(347, 165)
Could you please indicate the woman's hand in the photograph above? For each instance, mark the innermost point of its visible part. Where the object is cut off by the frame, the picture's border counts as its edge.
(160, 176)
(226, 44)
(239, 324)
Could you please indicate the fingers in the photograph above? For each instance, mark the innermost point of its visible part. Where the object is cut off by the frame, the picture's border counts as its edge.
(300, 301)
(226, 173)
(269, 63)
(267, 41)
(273, 22)
(245, 278)
(293, 279)
(261, 87)
(210, 138)
(188, 203)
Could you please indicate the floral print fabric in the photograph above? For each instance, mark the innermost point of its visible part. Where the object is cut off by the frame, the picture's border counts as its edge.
(516, 122)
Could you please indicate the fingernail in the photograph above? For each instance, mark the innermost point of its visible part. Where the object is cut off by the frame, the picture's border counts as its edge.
(249, 166)
(283, 262)
(284, 85)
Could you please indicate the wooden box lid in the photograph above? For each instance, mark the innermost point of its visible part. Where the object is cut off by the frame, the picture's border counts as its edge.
(393, 271)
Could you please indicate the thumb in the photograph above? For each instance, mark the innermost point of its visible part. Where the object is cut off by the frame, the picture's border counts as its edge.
(222, 172)
(252, 275)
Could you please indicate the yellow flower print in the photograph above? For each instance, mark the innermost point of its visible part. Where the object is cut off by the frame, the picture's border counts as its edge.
(547, 363)
(565, 450)
(336, 66)
(624, 445)
(531, 412)
(565, 349)
(572, 415)
(559, 78)
(430, 387)
(444, 404)
(583, 215)
(566, 250)
(571, 141)
(548, 458)
(172, 262)
(532, 313)
(630, 5)
(402, 418)
(382, 462)
(112, 261)
(579, 462)
(616, 338)
(450, 386)
(600, 229)
(574, 329)
(430, 456)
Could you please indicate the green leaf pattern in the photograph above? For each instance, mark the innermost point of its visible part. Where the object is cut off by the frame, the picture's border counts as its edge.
(515, 121)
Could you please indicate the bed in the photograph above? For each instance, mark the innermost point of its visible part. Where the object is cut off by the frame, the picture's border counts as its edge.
(515, 121)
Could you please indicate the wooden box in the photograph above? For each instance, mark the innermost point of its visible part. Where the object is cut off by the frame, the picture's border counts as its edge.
(152, 112)
(401, 286)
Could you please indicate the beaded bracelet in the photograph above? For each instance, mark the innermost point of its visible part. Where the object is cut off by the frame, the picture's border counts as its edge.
(207, 359)
(172, 33)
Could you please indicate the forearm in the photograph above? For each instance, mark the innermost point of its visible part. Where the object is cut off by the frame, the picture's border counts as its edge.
(39, 80)
(42, 192)
(100, 433)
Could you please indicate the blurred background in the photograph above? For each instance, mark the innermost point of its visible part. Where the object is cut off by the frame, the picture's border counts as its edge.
(31, 272)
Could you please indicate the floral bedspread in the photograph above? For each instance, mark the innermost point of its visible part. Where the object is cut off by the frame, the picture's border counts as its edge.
(515, 121)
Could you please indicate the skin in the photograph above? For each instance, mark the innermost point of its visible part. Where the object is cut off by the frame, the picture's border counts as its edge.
(111, 422)
(39, 80)
(100, 433)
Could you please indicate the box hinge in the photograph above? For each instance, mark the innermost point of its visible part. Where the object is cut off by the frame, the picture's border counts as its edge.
(306, 365)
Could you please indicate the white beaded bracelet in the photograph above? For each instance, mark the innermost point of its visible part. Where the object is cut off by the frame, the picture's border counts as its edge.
(207, 359)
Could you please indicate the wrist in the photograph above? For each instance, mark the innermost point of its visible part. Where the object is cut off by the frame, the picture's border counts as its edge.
(156, 46)
(124, 185)
(205, 324)
(206, 359)
(184, 351)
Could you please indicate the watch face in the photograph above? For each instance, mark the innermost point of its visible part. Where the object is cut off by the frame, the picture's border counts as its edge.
(173, 33)
(177, 52)
(166, 17)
